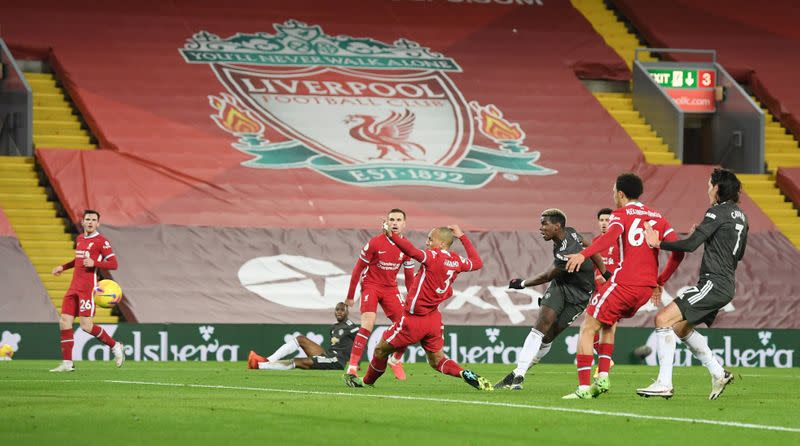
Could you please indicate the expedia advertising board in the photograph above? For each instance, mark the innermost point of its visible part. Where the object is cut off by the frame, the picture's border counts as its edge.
(465, 344)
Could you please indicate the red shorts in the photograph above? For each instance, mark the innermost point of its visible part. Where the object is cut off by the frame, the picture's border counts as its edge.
(613, 302)
(411, 329)
(390, 299)
(78, 303)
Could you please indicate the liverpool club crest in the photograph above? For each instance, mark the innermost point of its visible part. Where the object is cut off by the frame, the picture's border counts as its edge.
(357, 110)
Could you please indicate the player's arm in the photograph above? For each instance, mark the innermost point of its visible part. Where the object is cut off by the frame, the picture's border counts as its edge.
(675, 259)
(408, 249)
(539, 279)
(408, 271)
(61, 268)
(358, 269)
(597, 259)
(109, 263)
(599, 245)
(702, 232)
(355, 277)
(473, 262)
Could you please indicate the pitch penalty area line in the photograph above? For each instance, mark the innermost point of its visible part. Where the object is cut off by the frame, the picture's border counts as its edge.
(473, 403)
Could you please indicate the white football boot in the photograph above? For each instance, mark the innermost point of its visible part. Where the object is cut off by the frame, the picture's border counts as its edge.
(656, 389)
(119, 354)
(65, 366)
(718, 384)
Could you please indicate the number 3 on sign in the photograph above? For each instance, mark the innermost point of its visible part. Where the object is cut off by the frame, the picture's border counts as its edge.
(707, 78)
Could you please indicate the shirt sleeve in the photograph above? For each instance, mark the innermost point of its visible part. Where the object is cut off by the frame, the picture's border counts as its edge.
(409, 249)
(108, 260)
(602, 243)
(362, 262)
(711, 222)
(704, 230)
(473, 261)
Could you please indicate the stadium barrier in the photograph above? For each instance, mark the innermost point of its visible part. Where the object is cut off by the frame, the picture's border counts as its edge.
(465, 344)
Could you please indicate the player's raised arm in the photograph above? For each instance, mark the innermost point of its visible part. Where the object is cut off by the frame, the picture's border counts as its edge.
(407, 248)
(408, 271)
(474, 261)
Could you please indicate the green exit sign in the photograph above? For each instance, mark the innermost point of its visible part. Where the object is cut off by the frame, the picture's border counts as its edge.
(683, 78)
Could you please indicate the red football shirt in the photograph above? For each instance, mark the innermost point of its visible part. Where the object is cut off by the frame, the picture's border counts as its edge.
(433, 283)
(97, 248)
(610, 260)
(638, 263)
(378, 264)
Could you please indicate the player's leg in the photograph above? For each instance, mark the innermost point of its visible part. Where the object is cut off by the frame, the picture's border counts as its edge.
(703, 308)
(328, 360)
(378, 364)
(392, 303)
(584, 357)
(310, 347)
(86, 313)
(605, 350)
(369, 305)
(530, 349)
(431, 332)
(69, 309)
(283, 364)
(447, 366)
(666, 343)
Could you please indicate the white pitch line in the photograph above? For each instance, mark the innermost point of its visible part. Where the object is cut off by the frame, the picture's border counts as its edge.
(475, 403)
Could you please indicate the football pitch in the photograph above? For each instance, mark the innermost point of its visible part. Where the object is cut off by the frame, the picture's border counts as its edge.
(226, 404)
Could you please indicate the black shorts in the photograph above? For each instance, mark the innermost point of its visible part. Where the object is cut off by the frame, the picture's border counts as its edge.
(566, 311)
(331, 360)
(701, 303)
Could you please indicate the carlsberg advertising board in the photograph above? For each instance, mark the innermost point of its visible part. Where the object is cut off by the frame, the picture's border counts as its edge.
(465, 344)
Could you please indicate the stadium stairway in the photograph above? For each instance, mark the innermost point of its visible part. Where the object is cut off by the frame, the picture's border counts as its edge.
(42, 234)
(620, 106)
(781, 150)
(615, 33)
(55, 123)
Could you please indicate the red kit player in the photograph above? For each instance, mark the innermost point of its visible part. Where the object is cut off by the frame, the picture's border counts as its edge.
(633, 283)
(610, 260)
(92, 251)
(422, 321)
(377, 268)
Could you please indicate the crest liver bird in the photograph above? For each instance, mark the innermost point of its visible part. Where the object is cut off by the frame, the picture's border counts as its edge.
(389, 135)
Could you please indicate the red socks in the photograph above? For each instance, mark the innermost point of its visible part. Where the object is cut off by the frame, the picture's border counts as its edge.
(596, 342)
(604, 352)
(376, 368)
(359, 344)
(584, 369)
(101, 334)
(67, 342)
(449, 367)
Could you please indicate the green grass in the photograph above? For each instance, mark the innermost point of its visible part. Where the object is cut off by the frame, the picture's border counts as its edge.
(311, 407)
